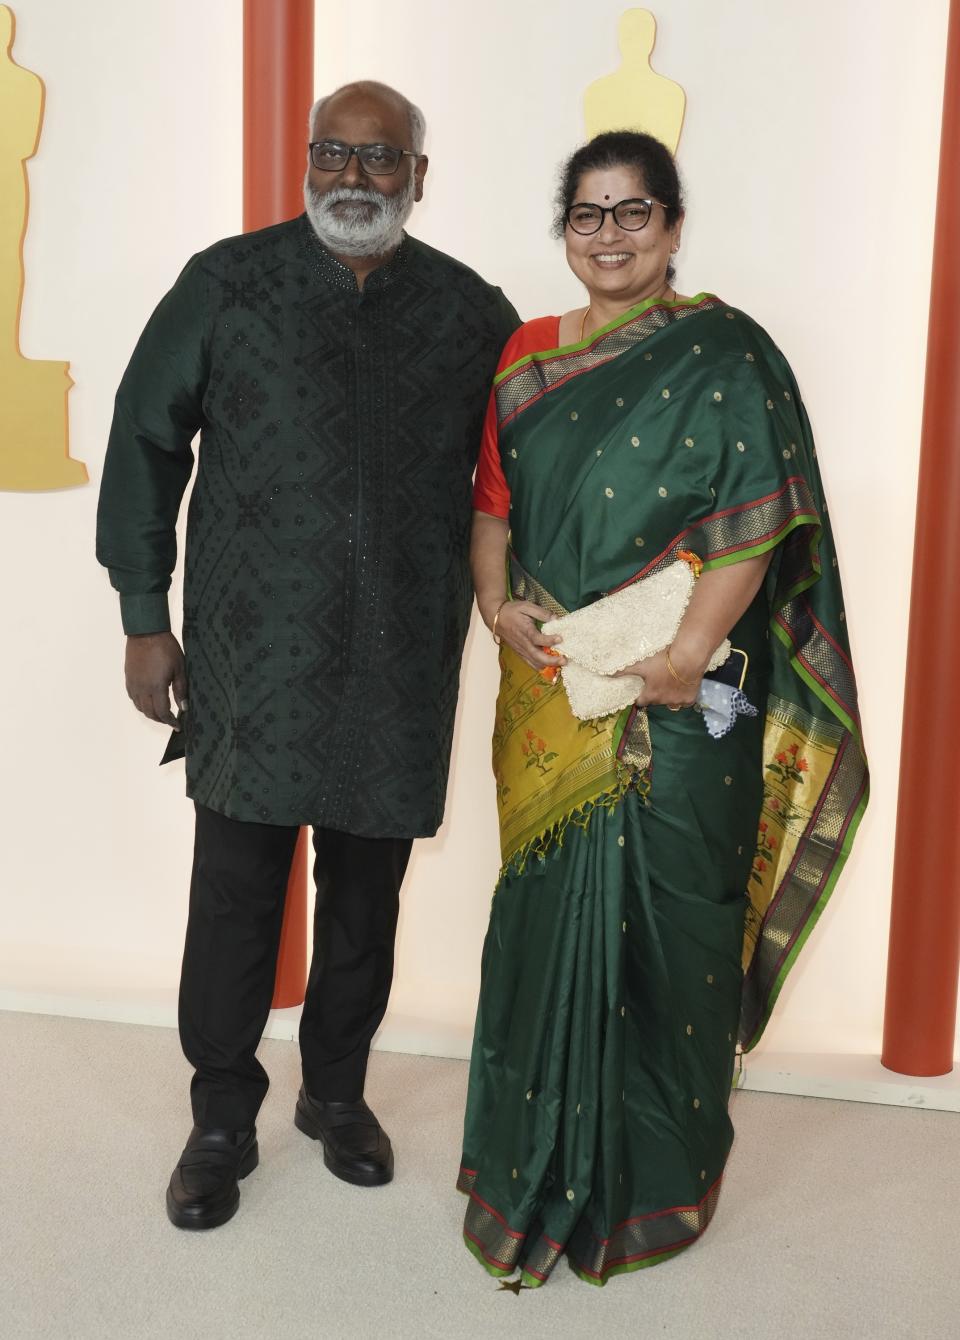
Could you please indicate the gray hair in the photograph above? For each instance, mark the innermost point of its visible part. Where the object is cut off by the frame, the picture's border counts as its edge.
(416, 119)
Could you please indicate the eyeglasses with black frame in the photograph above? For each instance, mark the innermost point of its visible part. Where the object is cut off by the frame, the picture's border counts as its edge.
(585, 218)
(377, 160)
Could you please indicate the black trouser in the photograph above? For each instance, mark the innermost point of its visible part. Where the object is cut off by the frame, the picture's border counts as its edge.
(240, 873)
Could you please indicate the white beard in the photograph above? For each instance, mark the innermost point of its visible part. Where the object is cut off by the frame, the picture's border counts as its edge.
(371, 226)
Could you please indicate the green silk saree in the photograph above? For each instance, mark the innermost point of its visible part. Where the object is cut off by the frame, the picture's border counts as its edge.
(657, 884)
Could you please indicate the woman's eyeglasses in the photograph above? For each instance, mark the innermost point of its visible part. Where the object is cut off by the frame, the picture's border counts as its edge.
(377, 160)
(631, 215)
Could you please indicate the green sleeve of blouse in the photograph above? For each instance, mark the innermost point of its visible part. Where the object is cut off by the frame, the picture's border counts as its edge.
(149, 460)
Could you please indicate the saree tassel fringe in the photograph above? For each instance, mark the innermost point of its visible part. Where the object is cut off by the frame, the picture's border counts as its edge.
(540, 846)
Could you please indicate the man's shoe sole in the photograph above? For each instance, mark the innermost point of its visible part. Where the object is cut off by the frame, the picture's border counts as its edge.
(355, 1176)
(199, 1218)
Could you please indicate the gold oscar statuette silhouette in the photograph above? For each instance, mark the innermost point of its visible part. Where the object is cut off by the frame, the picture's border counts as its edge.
(33, 392)
(635, 97)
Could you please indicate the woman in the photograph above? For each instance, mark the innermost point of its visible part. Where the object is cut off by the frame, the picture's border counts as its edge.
(657, 883)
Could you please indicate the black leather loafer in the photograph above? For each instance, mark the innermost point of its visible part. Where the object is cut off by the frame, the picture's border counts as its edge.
(355, 1146)
(203, 1191)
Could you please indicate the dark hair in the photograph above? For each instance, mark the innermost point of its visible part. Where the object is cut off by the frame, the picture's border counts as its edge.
(642, 154)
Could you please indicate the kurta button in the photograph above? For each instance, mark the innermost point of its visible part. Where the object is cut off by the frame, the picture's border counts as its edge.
(574, 415)
(608, 492)
(689, 1030)
(710, 979)
(634, 441)
(570, 1195)
(623, 1011)
(696, 1103)
(529, 1094)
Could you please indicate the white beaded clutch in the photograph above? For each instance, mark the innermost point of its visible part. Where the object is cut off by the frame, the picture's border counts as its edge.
(617, 630)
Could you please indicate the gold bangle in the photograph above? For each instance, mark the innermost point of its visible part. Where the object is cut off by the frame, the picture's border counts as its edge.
(496, 620)
(687, 683)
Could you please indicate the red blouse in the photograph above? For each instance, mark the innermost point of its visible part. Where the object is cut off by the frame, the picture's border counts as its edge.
(490, 491)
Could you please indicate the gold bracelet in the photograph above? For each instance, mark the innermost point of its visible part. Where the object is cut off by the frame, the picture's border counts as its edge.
(687, 683)
(496, 620)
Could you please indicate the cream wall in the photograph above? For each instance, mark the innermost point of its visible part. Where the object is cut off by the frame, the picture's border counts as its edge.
(810, 153)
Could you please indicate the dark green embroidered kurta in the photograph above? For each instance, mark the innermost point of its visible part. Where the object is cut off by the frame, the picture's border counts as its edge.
(326, 593)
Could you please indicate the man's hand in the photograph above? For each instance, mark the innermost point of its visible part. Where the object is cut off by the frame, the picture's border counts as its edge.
(153, 665)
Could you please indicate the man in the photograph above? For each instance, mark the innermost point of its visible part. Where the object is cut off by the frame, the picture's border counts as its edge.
(337, 372)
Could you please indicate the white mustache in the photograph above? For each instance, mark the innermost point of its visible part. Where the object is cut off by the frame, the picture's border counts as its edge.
(341, 195)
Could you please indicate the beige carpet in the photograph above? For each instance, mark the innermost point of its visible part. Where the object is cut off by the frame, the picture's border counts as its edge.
(837, 1220)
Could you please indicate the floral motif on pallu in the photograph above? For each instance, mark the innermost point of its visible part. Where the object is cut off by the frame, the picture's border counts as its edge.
(552, 769)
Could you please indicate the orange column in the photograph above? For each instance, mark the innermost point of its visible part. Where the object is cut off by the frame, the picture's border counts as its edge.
(277, 95)
(921, 1008)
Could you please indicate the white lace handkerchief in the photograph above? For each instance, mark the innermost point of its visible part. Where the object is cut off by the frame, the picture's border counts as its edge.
(628, 626)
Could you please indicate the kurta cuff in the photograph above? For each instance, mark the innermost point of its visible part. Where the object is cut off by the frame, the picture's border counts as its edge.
(145, 614)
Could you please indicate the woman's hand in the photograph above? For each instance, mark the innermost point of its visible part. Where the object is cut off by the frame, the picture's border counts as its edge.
(513, 621)
(660, 687)
(719, 599)
(517, 626)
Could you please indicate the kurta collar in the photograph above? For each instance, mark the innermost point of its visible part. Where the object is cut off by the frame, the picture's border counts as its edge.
(335, 273)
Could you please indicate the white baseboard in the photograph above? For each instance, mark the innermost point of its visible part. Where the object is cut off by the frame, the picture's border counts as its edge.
(413, 1037)
(158, 1008)
(857, 1079)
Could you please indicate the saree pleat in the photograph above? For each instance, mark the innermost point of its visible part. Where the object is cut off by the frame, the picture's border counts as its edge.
(647, 913)
(606, 1033)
